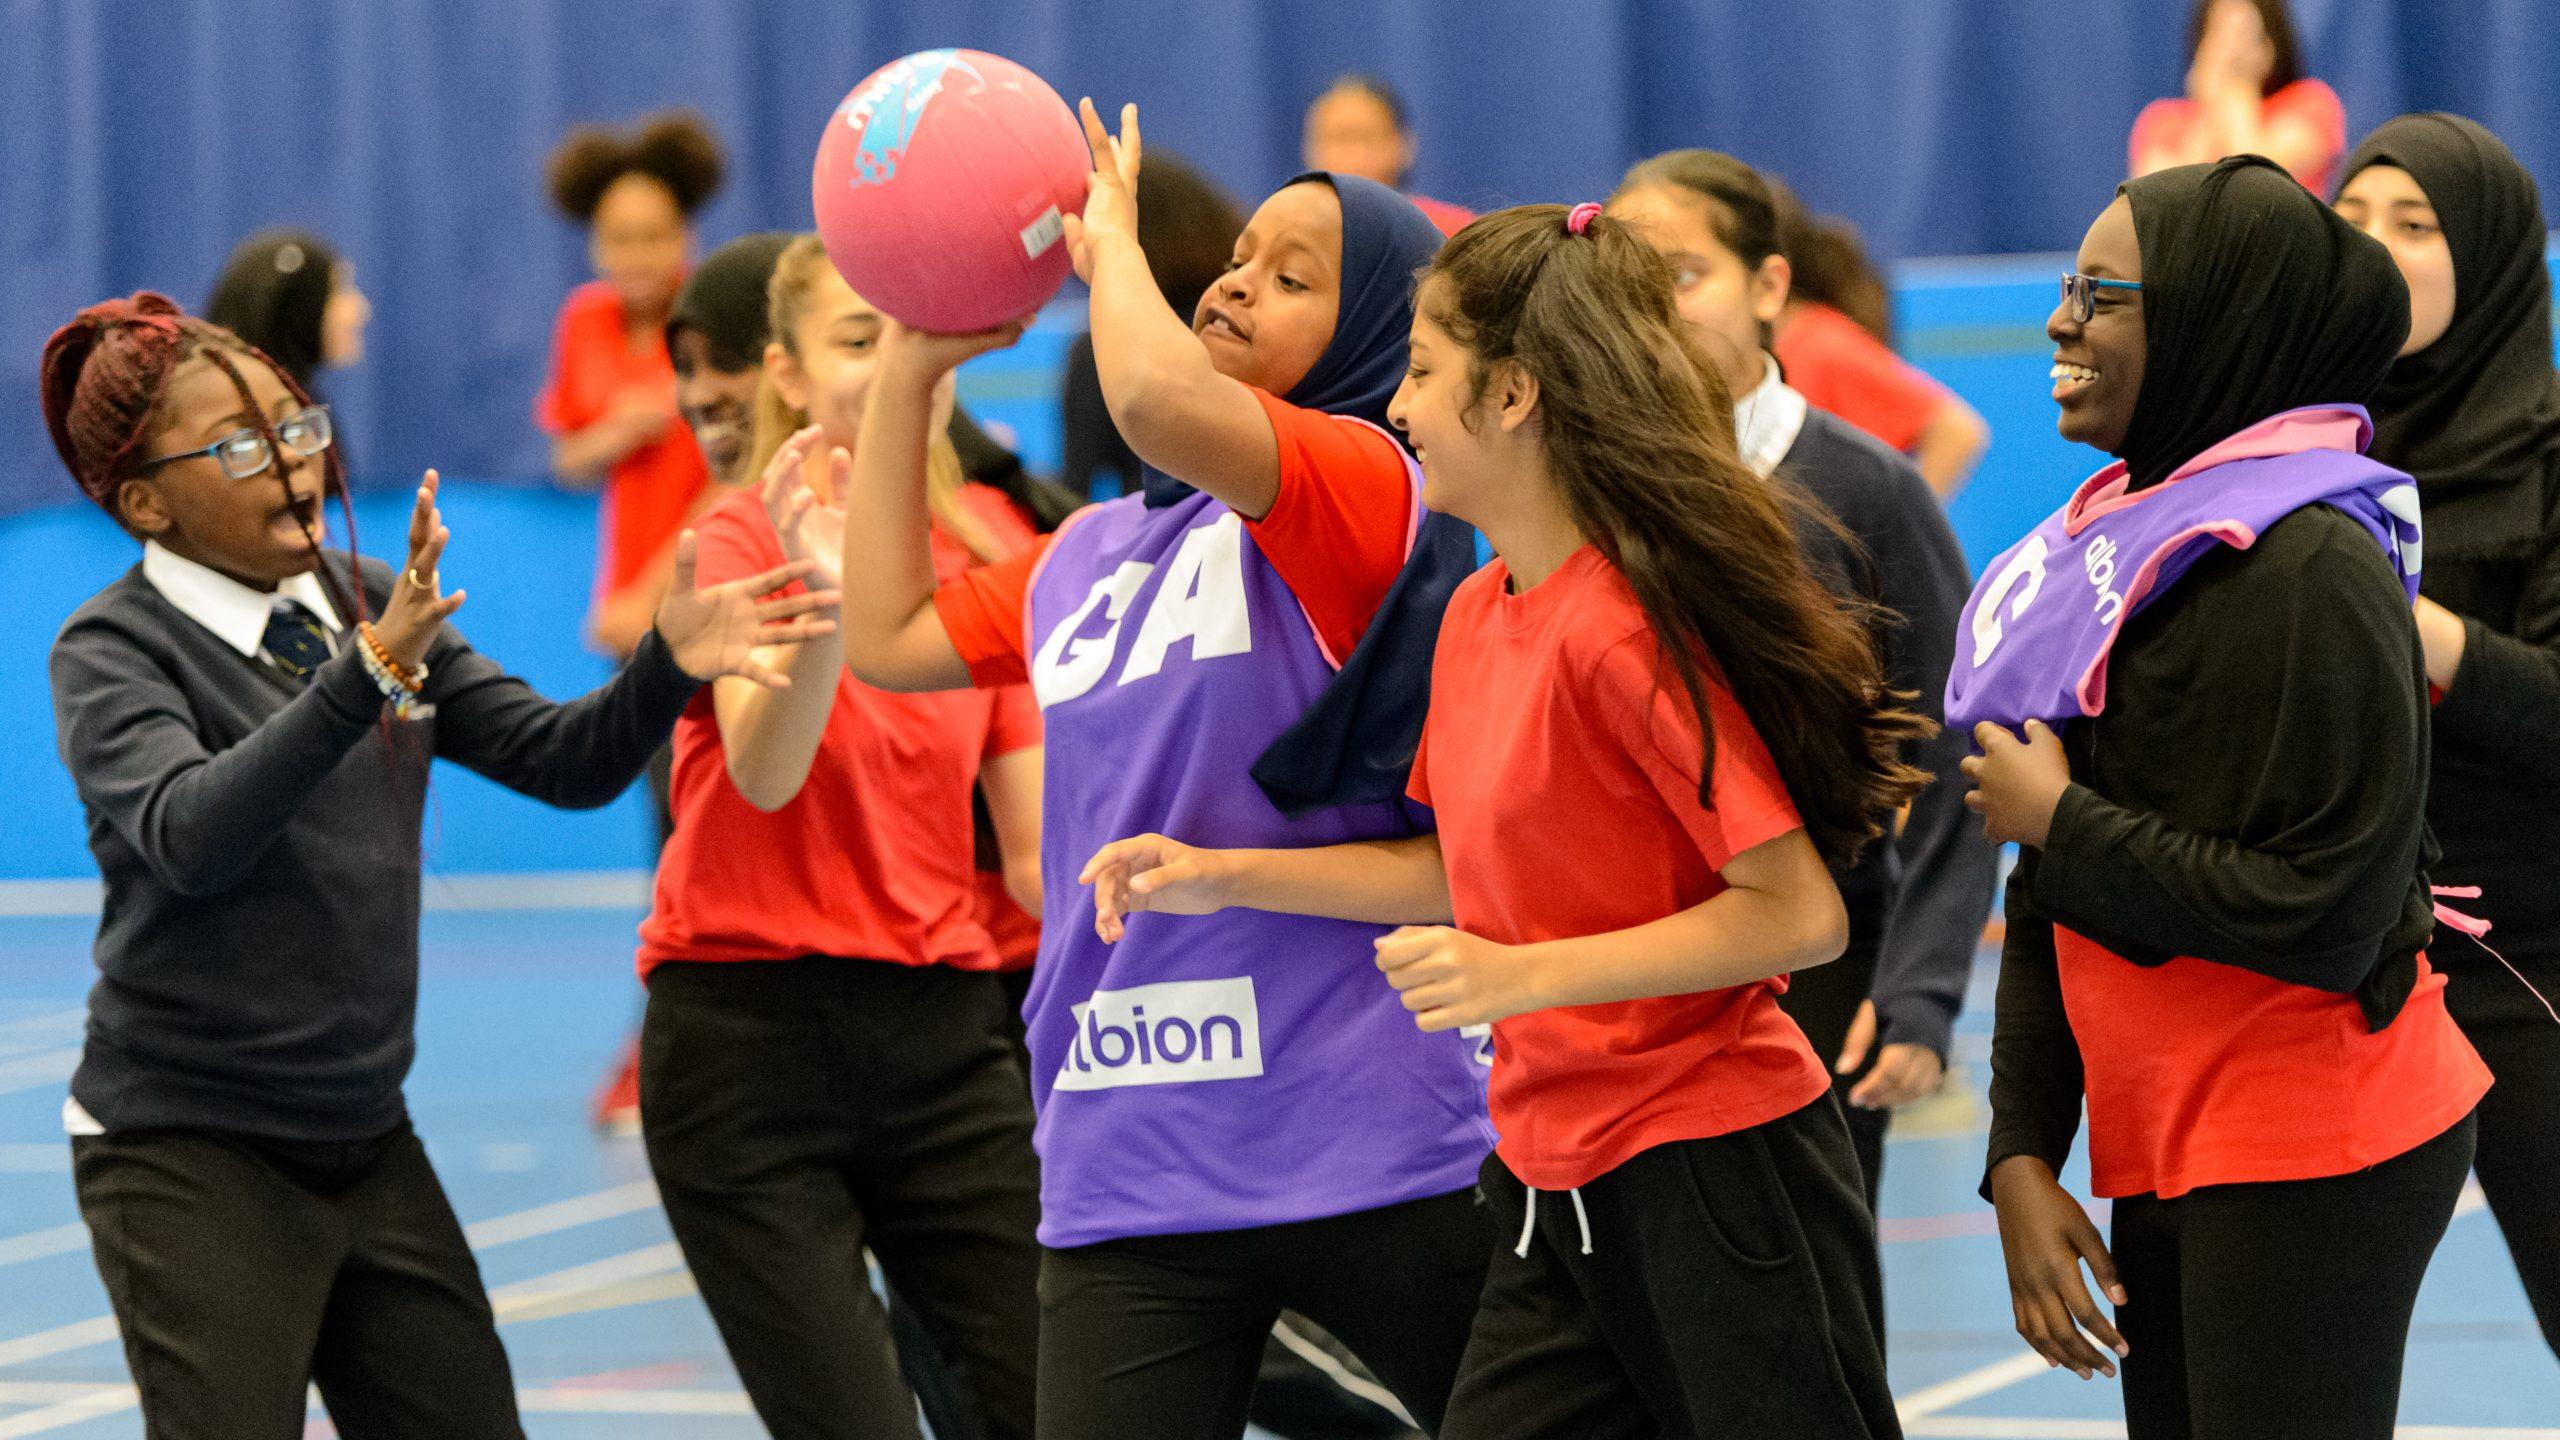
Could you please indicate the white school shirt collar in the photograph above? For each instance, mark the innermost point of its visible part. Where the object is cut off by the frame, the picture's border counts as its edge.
(1767, 421)
(236, 614)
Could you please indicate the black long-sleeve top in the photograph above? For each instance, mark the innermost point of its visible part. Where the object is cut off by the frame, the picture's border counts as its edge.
(2252, 795)
(1928, 891)
(2493, 558)
(259, 843)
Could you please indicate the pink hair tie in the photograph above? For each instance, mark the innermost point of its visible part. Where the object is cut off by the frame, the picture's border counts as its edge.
(1580, 220)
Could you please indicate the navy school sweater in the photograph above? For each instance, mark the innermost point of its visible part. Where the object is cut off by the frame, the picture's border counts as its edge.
(259, 842)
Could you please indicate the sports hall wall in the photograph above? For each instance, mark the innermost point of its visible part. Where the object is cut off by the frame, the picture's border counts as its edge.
(413, 136)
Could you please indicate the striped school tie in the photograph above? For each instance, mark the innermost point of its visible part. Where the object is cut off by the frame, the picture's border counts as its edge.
(295, 643)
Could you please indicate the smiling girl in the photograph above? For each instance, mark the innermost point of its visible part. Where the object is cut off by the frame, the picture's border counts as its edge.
(249, 720)
(1234, 1117)
(2201, 703)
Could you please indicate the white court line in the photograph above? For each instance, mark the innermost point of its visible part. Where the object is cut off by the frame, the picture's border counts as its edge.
(102, 1400)
(45, 1344)
(54, 1020)
(73, 1403)
(562, 1215)
(40, 1244)
(33, 1072)
(564, 1401)
(638, 1264)
(531, 890)
(497, 1230)
(1971, 1385)
(2051, 1428)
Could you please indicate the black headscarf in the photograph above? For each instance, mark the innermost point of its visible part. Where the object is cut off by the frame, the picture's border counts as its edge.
(274, 292)
(2256, 299)
(723, 300)
(1385, 242)
(2482, 404)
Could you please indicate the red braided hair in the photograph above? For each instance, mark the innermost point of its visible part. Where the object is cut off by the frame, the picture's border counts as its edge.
(104, 376)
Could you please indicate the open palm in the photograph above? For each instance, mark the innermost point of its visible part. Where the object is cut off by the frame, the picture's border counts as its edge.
(715, 630)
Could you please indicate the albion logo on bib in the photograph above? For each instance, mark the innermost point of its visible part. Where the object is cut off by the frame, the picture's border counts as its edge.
(1173, 1033)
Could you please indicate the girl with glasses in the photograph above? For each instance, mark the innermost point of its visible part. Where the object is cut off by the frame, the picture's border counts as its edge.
(249, 719)
(2202, 711)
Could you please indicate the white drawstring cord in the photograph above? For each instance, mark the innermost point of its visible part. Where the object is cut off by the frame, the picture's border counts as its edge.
(1529, 1219)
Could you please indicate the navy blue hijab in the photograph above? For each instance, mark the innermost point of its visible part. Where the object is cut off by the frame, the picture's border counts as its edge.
(1385, 244)
(1355, 744)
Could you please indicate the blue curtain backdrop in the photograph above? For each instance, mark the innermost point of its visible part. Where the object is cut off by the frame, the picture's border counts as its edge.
(140, 138)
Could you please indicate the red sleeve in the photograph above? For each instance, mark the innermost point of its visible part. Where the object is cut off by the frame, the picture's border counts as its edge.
(1637, 703)
(1342, 524)
(1417, 781)
(2152, 127)
(733, 541)
(1853, 375)
(569, 400)
(1013, 723)
(2315, 104)
(982, 612)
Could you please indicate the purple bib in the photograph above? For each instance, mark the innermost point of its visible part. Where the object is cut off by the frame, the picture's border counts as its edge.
(1222, 1071)
(2034, 639)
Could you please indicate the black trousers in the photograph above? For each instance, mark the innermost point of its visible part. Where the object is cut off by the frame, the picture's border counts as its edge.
(2519, 1159)
(2280, 1311)
(1158, 1337)
(799, 1111)
(245, 1270)
(1824, 1001)
(1729, 1292)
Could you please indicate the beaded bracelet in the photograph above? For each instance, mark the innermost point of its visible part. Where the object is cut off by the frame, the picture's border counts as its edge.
(399, 683)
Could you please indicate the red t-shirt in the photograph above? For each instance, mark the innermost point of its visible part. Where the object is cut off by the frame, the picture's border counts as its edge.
(650, 491)
(2167, 122)
(1838, 367)
(1014, 930)
(2204, 1074)
(1450, 218)
(1562, 759)
(875, 857)
(1338, 532)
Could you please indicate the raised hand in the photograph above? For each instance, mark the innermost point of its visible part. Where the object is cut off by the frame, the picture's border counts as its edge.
(802, 492)
(418, 605)
(1111, 193)
(715, 631)
(927, 355)
(1151, 872)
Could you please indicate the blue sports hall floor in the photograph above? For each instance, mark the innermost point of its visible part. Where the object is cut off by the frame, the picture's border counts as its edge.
(528, 990)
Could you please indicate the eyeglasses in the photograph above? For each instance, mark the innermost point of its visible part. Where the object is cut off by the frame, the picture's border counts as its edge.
(244, 452)
(2080, 293)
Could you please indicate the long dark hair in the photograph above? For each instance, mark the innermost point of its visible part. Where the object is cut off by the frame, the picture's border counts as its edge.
(1831, 264)
(1638, 431)
(1187, 228)
(274, 293)
(2277, 17)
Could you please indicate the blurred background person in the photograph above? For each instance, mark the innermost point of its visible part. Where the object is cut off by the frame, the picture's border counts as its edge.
(2246, 95)
(1358, 127)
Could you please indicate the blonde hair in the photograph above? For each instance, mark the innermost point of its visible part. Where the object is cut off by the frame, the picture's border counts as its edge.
(795, 276)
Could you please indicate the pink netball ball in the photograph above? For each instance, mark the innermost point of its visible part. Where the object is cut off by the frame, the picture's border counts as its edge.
(941, 188)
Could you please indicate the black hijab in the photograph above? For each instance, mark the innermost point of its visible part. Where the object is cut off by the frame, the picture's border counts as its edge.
(1385, 242)
(2482, 404)
(2256, 299)
(274, 292)
(723, 300)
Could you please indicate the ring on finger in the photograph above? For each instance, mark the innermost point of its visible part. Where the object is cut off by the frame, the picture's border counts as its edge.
(433, 579)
